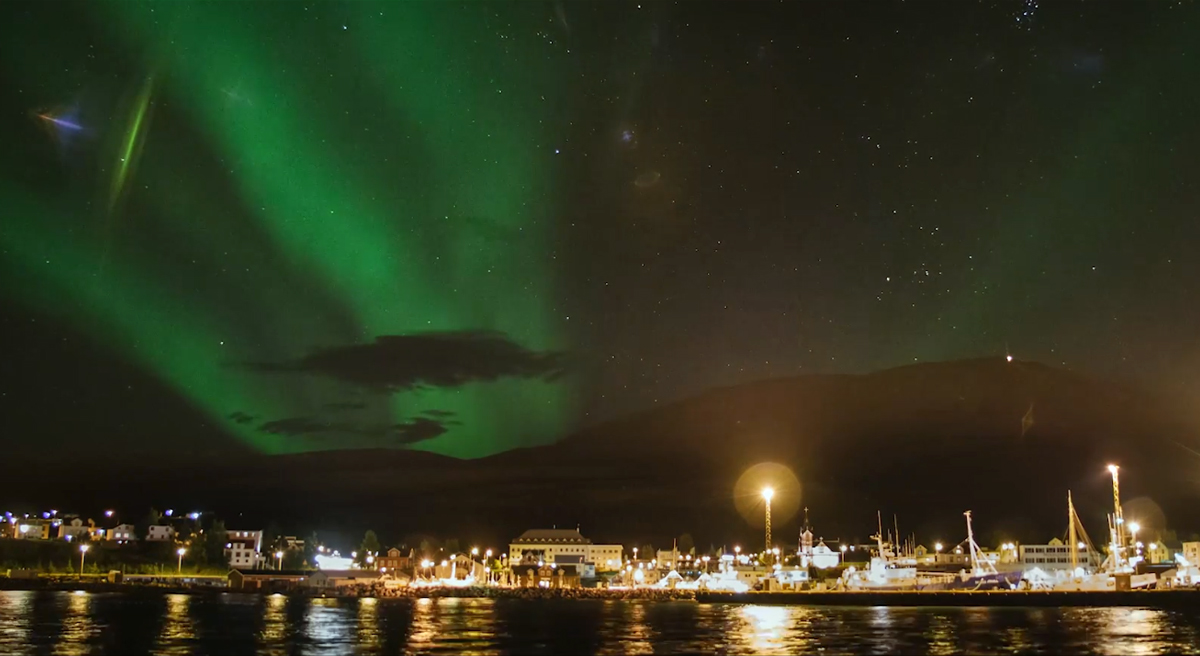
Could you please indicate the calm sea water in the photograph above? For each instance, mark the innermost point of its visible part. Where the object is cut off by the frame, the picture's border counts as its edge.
(115, 623)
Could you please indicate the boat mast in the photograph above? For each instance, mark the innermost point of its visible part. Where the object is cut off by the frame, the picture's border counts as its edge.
(1118, 520)
(1071, 537)
(879, 534)
(971, 543)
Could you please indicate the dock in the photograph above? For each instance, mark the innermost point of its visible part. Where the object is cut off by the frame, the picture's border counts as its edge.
(1189, 598)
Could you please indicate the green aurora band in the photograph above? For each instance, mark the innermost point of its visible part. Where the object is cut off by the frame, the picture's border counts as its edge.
(314, 188)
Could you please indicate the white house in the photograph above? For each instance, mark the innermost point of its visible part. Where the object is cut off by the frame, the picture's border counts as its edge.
(1055, 555)
(242, 548)
(76, 529)
(674, 559)
(1191, 552)
(160, 533)
(822, 557)
(547, 544)
(123, 533)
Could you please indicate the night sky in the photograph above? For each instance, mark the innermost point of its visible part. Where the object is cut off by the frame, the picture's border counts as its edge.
(470, 227)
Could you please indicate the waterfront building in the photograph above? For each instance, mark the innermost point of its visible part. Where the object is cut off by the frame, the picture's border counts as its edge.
(267, 579)
(1159, 552)
(395, 561)
(1056, 555)
(243, 548)
(674, 559)
(1191, 552)
(330, 578)
(548, 544)
(821, 557)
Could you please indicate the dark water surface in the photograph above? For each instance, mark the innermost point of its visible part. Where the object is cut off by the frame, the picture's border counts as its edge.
(120, 623)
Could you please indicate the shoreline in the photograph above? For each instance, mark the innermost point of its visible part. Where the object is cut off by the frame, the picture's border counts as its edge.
(1189, 598)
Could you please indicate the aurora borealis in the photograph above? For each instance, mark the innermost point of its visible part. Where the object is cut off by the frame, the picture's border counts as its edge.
(249, 220)
(469, 227)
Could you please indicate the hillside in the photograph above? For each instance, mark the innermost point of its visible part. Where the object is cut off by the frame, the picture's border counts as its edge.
(925, 442)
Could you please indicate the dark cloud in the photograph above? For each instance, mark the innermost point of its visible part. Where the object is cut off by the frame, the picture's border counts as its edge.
(414, 430)
(443, 359)
(345, 405)
(303, 426)
(419, 429)
(241, 417)
(438, 413)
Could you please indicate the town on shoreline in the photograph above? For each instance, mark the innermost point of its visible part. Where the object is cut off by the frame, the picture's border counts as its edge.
(195, 550)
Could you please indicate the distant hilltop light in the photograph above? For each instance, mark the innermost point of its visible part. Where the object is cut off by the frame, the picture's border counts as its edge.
(1008, 358)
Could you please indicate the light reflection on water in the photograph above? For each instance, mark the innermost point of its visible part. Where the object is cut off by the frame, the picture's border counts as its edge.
(77, 625)
(764, 628)
(67, 623)
(178, 631)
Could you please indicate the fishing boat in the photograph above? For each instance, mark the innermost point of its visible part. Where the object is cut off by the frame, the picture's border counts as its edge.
(1118, 571)
(885, 572)
(982, 575)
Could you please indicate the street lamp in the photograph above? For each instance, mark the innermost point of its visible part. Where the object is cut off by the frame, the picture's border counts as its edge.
(180, 551)
(768, 494)
(938, 547)
(279, 559)
(83, 548)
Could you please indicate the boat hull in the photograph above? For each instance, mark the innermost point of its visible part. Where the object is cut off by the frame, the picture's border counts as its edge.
(998, 581)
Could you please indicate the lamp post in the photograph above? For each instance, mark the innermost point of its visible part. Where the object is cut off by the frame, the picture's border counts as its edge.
(487, 564)
(179, 568)
(279, 559)
(1118, 536)
(767, 495)
(83, 549)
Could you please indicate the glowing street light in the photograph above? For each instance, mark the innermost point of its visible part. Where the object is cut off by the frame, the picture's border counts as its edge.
(938, 547)
(179, 568)
(83, 549)
(279, 559)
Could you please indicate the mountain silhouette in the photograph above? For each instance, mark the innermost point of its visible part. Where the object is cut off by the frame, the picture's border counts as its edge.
(923, 442)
